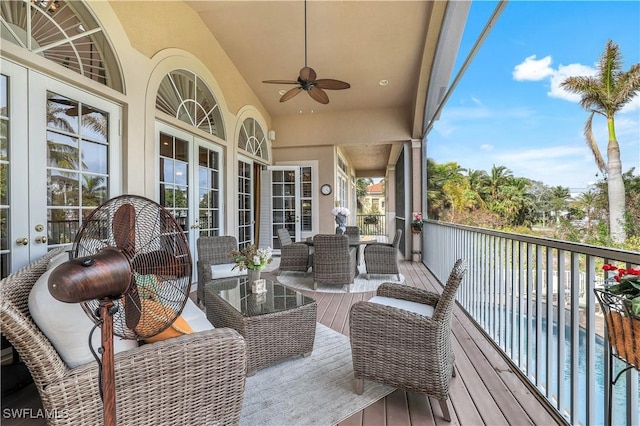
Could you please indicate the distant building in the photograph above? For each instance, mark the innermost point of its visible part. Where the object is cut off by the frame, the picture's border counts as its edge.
(373, 202)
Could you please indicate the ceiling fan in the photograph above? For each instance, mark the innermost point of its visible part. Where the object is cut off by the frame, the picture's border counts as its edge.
(307, 79)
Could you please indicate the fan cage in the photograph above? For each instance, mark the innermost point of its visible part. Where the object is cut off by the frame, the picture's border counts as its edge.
(159, 256)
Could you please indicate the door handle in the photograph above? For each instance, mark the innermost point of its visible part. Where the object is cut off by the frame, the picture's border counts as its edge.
(22, 241)
(41, 239)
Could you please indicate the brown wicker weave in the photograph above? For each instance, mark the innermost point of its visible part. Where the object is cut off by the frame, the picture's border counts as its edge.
(382, 258)
(212, 251)
(270, 337)
(193, 379)
(404, 349)
(293, 256)
(334, 261)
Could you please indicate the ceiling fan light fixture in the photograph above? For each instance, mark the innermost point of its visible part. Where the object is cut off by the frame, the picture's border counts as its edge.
(307, 79)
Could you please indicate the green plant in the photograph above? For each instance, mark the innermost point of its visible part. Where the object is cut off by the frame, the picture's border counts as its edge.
(251, 257)
(625, 283)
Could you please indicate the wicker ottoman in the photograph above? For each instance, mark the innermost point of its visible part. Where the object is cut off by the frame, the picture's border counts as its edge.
(276, 325)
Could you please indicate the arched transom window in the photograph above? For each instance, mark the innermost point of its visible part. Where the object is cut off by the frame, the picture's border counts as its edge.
(184, 95)
(64, 32)
(252, 139)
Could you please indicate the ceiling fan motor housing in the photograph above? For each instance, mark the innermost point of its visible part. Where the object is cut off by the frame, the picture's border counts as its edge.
(105, 275)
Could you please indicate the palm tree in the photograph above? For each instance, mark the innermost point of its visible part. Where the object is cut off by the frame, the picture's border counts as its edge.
(605, 94)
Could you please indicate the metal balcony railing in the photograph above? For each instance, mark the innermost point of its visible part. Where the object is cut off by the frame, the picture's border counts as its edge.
(371, 224)
(534, 299)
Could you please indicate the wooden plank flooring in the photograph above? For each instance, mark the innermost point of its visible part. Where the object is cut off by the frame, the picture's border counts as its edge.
(485, 391)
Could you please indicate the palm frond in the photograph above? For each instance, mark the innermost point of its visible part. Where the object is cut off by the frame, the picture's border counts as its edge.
(628, 86)
(593, 145)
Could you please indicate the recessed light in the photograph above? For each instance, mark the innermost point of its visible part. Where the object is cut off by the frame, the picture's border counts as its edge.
(383, 82)
(282, 92)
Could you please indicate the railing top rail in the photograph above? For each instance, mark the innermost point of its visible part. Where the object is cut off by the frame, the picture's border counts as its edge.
(603, 252)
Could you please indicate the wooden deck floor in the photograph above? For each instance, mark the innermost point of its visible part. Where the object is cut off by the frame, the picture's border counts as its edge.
(486, 391)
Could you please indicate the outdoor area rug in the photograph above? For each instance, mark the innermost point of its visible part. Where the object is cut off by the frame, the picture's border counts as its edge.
(316, 390)
(298, 281)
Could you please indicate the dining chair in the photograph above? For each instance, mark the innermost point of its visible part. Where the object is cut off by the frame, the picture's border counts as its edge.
(402, 337)
(334, 261)
(294, 256)
(382, 258)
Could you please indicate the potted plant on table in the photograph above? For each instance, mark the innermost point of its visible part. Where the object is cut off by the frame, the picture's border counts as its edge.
(620, 302)
(253, 259)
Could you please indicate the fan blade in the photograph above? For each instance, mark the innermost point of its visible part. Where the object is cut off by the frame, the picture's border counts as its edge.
(158, 262)
(132, 306)
(330, 84)
(290, 94)
(318, 95)
(124, 228)
(280, 81)
(307, 74)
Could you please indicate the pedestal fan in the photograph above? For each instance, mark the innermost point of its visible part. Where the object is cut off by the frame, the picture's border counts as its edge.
(131, 270)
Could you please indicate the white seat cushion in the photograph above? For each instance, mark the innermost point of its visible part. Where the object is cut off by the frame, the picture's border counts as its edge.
(67, 326)
(418, 308)
(226, 270)
(195, 317)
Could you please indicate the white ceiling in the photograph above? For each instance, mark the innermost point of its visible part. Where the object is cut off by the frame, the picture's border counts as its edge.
(357, 41)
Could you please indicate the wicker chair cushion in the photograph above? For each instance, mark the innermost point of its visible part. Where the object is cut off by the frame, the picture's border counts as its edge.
(196, 317)
(225, 271)
(67, 326)
(418, 308)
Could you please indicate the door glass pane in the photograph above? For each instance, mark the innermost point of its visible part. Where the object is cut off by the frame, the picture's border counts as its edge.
(4, 177)
(174, 178)
(77, 164)
(245, 207)
(283, 195)
(209, 191)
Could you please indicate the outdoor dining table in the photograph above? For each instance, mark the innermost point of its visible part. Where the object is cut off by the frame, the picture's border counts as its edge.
(358, 242)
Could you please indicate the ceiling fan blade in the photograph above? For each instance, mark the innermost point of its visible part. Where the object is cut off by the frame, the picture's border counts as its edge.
(318, 95)
(132, 306)
(280, 81)
(158, 262)
(330, 84)
(290, 94)
(307, 74)
(124, 228)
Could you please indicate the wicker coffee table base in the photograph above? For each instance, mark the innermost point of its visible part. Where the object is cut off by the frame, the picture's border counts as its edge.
(269, 338)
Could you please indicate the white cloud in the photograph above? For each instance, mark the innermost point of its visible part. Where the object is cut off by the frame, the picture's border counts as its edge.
(486, 147)
(532, 69)
(561, 74)
(633, 105)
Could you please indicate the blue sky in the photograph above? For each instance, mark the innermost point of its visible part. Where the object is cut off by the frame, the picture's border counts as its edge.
(508, 109)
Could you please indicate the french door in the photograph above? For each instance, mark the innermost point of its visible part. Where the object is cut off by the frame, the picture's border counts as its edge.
(59, 160)
(285, 201)
(190, 182)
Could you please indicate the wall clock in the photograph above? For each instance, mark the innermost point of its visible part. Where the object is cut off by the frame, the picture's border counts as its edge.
(325, 189)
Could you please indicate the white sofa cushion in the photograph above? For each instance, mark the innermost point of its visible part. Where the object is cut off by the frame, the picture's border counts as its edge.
(226, 270)
(67, 326)
(195, 317)
(418, 308)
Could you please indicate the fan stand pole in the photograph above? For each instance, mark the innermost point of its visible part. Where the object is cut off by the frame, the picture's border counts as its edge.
(108, 370)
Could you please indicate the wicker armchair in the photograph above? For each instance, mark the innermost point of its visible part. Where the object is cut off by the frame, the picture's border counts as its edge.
(212, 251)
(402, 337)
(293, 256)
(153, 381)
(352, 232)
(334, 261)
(382, 258)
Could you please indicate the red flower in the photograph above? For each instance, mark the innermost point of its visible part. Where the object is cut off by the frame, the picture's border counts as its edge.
(609, 267)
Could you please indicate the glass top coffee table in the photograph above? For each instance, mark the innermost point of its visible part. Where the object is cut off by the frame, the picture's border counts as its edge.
(276, 325)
